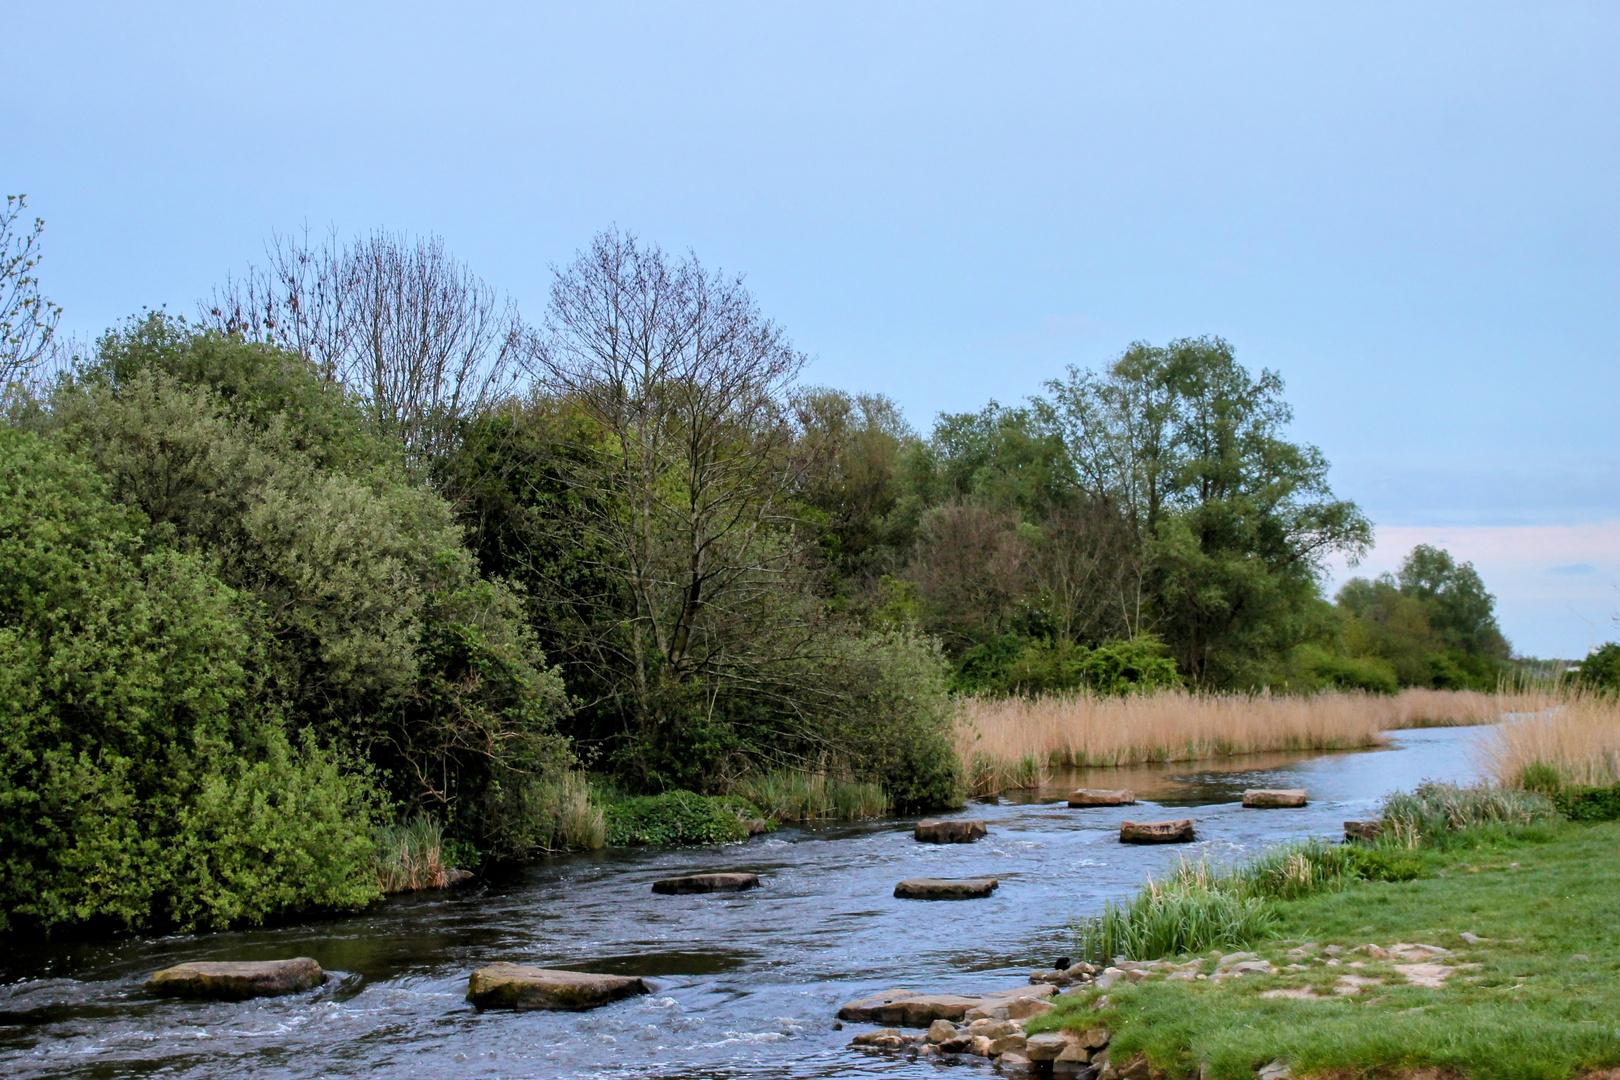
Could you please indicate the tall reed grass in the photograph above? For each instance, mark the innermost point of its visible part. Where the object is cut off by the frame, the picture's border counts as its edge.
(409, 855)
(1012, 742)
(1574, 743)
(801, 795)
(562, 816)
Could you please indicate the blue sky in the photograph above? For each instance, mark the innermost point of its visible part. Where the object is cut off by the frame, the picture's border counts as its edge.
(1411, 211)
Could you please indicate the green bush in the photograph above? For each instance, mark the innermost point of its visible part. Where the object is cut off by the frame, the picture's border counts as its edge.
(678, 817)
(890, 718)
(1601, 668)
(1382, 864)
(1010, 664)
(381, 636)
(1588, 803)
(1324, 669)
(143, 780)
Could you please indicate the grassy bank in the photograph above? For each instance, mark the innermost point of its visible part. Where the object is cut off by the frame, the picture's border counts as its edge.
(1542, 1001)
(1011, 742)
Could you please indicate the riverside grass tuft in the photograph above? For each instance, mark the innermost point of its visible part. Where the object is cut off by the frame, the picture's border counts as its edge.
(410, 855)
(811, 795)
(1010, 743)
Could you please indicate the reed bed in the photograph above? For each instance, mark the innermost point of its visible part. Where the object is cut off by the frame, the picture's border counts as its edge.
(1011, 742)
(1574, 743)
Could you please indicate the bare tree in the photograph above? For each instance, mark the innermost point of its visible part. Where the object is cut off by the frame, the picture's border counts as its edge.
(27, 320)
(400, 322)
(684, 491)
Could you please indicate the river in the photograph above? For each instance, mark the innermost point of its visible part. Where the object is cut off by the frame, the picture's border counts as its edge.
(746, 984)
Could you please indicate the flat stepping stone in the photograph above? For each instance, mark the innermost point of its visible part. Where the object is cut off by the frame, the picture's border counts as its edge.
(936, 831)
(1156, 832)
(1101, 797)
(515, 986)
(706, 883)
(1363, 830)
(945, 888)
(1274, 798)
(911, 1008)
(236, 980)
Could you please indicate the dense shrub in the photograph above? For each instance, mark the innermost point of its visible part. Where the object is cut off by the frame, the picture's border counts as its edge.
(381, 637)
(143, 780)
(1010, 664)
(891, 718)
(1601, 668)
(677, 817)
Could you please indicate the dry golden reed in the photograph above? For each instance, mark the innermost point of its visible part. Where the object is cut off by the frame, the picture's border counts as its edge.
(1578, 736)
(1010, 742)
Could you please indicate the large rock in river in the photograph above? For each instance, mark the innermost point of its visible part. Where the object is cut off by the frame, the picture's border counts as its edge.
(705, 883)
(238, 979)
(953, 831)
(514, 986)
(1274, 799)
(910, 1008)
(1156, 832)
(927, 888)
(1101, 797)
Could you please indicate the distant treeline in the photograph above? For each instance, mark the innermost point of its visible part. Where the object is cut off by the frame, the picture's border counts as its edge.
(360, 544)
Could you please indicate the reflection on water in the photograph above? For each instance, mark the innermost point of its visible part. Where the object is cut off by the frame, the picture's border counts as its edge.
(746, 983)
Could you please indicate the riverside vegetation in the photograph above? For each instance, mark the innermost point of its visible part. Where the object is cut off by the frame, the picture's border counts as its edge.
(1499, 900)
(360, 578)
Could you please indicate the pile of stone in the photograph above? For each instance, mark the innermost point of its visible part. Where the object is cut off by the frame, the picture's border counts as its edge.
(1003, 1040)
(1068, 975)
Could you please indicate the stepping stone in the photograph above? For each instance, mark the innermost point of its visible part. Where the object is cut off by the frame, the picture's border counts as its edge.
(945, 888)
(237, 980)
(706, 883)
(1156, 832)
(1275, 799)
(1101, 797)
(515, 986)
(1363, 830)
(935, 831)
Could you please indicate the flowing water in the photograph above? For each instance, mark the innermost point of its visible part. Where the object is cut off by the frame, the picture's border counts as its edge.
(746, 983)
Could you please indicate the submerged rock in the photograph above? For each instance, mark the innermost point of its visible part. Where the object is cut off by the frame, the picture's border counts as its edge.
(515, 986)
(945, 888)
(1156, 832)
(954, 831)
(1101, 797)
(706, 883)
(236, 980)
(1274, 798)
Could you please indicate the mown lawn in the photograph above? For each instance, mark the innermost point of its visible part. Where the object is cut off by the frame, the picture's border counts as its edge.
(1543, 1002)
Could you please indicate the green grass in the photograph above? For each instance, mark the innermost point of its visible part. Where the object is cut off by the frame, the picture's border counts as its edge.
(1533, 1008)
(803, 795)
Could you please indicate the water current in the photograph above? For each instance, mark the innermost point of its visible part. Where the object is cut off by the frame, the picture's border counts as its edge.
(746, 984)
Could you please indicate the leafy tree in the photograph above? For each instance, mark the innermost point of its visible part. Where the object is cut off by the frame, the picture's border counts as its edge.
(27, 320)
(1235, 520)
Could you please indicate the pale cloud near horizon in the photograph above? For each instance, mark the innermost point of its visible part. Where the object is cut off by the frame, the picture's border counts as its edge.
(1557, 586)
